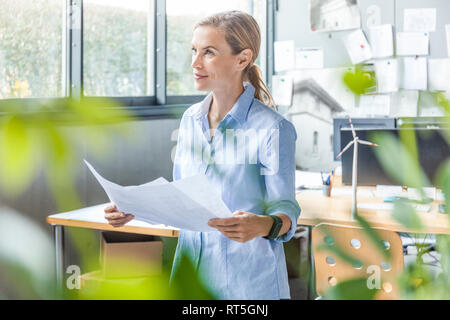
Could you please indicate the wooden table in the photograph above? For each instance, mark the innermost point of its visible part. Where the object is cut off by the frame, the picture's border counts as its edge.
(317, 208)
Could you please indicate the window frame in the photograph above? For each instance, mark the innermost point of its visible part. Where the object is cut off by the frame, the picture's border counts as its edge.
(158, 106)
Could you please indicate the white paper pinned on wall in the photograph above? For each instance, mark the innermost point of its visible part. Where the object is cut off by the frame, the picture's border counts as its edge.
(358, 47)
(419, 20)
(387, 75)
(438, 74)
(375, 104)
(447, 32)
(415, 73)
(404, 103)
(431, 111)
(284, 52)
(282, 87)
(309, 58)
(381, 41)
(412, 43)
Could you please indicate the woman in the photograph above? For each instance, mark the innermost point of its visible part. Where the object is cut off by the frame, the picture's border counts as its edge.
(244, 258)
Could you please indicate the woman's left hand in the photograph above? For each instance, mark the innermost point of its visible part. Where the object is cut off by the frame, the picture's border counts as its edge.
(243, 226)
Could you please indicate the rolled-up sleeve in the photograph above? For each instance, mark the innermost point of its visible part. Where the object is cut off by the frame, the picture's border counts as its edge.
(278, 167)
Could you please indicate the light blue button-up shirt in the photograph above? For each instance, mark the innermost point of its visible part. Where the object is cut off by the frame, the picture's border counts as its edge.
(251, 163)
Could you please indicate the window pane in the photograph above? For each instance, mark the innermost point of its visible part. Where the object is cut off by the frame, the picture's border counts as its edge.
(31, 48)
(182, 15)
(117, 48)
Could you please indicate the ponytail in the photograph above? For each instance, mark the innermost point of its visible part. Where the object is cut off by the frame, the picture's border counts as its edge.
(262, 93)
(242, 32)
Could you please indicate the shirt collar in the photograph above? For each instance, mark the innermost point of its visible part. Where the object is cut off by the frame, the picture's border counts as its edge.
(240, 108)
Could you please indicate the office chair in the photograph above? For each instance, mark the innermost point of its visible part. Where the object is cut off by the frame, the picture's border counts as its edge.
(330, 269)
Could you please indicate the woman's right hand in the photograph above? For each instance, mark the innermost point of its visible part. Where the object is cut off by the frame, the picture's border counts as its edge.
(115, 217)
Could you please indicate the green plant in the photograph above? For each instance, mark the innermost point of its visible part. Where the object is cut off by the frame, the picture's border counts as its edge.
(399, 157)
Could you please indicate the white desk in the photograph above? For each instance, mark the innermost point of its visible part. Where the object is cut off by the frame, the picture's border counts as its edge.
(93, 218)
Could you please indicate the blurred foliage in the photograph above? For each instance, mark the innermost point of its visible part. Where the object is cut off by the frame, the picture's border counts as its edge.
(32, 140)
(354, 289)
(399, 158)
(185, 286)
(26, 258)
(373, 236)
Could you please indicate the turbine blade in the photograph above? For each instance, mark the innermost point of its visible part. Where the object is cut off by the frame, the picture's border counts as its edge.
(351, 126)
(368, 143)
(345, 149)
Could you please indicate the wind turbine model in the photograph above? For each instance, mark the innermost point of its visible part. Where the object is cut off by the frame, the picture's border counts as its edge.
(355, 141)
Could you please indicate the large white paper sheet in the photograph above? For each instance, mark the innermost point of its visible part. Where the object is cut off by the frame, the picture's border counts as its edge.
(412, 43)
(415, 73)
(357, 47)
(309, 58)
(419, 19)
(381, 41)
(387, 74)
(282, 90)
(186, 204)
(284, 55)
(438, 74)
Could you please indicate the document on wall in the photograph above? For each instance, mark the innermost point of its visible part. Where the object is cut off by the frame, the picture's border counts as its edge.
(381, 41)
(415, 73)
(412, 43)
(375, 104)
(419, 19)
(284, 52)
(387, 75)
(186, 204)
(358, 47)
(404, 103)
(447, 34)
(309, 58)
(282, 89)
(438, 74)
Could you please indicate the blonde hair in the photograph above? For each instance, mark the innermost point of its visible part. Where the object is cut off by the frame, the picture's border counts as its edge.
(242, 32)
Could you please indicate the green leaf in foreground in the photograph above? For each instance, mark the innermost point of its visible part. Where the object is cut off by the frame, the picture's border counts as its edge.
(17, 165)
(186, 285)
(404, 213)
(354, 289)
(339, 253)
(373, 236)
(398, 162)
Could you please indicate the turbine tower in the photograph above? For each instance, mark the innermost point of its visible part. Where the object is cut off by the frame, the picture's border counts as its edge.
(355, 141)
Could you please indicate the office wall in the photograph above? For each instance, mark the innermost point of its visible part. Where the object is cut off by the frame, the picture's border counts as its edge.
(292, 23)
